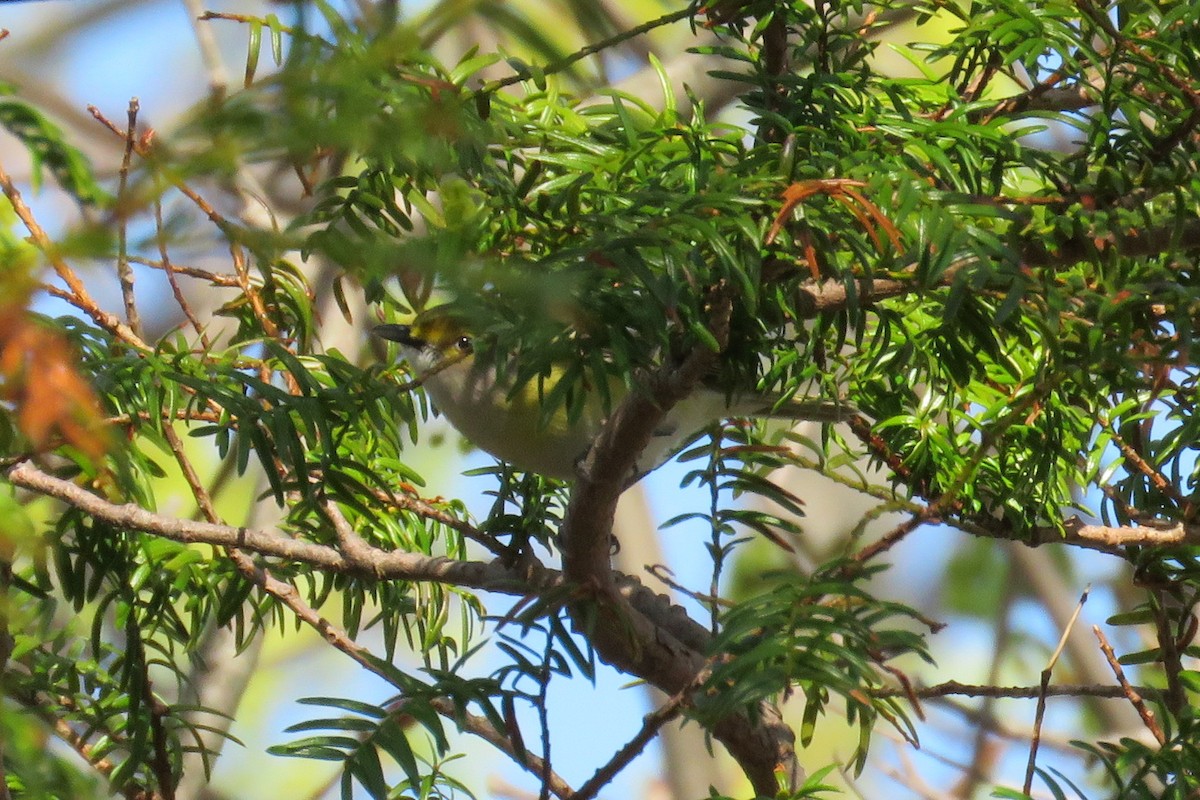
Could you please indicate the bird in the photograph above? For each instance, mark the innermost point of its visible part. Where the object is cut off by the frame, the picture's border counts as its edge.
(511, 425)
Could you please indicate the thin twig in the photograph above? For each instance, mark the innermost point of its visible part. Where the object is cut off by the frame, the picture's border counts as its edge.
(210, 51)
(78, 292)
(142, 148)
(169, 268)
(256, 302)
(651, 724)
(156, 711)
(979, 83)
(1175, 697)
(132, 791)
(562, 63)
(124, 272)
(479, 726)
(247, 18)
(1043, 692)
(215, 278)
(1130, 693)
(1167, 73)
(956, 689)
(662, 573)
(45, 708)
(424, 508)
(895, 535)
(1131, 455)
(815, 297)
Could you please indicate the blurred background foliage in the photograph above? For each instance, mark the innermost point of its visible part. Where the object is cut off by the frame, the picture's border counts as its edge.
(975, 222)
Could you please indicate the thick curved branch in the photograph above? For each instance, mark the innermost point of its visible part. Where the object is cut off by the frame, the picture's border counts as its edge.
(622, 634)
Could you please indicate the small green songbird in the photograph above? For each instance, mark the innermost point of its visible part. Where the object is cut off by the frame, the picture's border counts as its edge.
(510, 425)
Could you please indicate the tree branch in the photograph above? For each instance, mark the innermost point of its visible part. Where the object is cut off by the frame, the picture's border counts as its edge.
(495, 576)
(622, 634)
(479, 726)
(384, 564)
(817, 297)
(79, 294)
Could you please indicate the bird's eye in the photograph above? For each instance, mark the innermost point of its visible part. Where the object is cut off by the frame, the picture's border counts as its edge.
(463, 344)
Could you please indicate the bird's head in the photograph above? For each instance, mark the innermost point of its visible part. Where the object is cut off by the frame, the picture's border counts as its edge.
(432, 342)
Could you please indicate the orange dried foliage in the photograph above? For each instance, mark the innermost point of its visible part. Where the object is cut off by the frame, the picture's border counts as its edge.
(846, 192)
(39, 376)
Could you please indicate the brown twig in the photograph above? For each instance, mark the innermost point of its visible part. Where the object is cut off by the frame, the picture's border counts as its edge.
(124, 272)
(181, 414)
(652, 723)
(1175, 697)
(142, 148)
(215, 278)
(131, 791)
(1043, 693)
(1075, 532)
(946, 502)
(426, 509)
(387, 564)
(1157, 479)
(895, 535)
(156, 713)
(563, 63)
(256, 302)
(956, 689)
(246, 18)
(169, 268)
(816, 297)
(1167, 73)
(530, 762)
(45, 708)
(1045, 96)
(78, 292)
(662, 573)
(1129, 692)
(975, 88)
